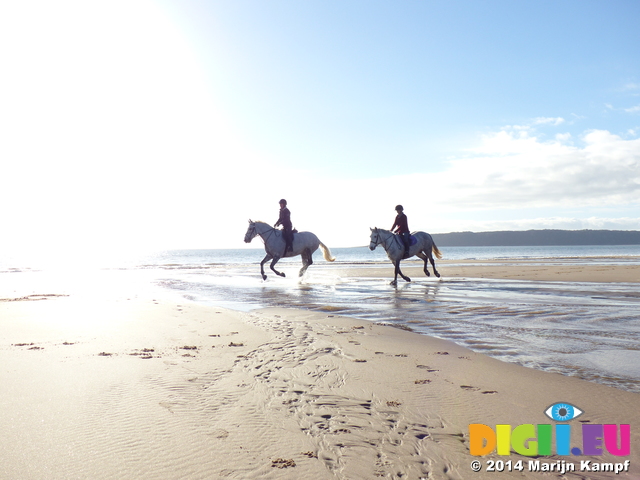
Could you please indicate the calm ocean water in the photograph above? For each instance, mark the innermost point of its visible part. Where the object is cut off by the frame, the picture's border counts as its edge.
(589, 330)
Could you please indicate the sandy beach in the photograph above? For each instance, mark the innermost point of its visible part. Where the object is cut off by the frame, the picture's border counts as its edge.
(117, 386)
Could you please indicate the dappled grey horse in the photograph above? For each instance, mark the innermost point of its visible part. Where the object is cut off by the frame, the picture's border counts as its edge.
(394, 247)
(304, 243)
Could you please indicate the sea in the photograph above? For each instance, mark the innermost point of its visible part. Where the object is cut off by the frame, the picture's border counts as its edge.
(584, 329)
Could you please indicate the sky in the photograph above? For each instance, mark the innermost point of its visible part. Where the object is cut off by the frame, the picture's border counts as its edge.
(157, 124)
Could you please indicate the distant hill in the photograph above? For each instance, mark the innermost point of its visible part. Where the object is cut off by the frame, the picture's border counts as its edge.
(537, 237)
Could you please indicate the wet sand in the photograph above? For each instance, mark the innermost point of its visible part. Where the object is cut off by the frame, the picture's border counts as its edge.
(119, 387)
(559, 270)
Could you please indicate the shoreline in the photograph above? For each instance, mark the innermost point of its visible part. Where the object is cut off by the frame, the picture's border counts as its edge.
(555, 270)
(148, 388)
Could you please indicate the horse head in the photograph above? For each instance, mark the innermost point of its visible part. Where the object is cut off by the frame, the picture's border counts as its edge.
(375, 238)
(251, 232)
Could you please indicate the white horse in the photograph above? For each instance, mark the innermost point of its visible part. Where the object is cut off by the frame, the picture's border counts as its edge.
(304, 243)
(394, 247)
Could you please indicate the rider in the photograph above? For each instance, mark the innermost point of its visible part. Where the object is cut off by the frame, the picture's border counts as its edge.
(402, 229)
(287, 229)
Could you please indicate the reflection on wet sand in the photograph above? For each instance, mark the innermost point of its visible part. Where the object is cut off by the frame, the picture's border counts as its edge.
(555, 326)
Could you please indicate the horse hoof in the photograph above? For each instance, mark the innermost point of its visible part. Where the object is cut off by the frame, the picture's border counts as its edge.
(437, 275)
(427, 273)
(394, 283)
(408, 279)
(282, 274)
(264, 277)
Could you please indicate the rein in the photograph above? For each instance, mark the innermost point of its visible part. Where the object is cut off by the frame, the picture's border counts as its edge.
(385, 241)
(268, 235)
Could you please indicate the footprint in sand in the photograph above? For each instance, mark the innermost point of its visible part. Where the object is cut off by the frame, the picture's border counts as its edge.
(282, 463)
(469, 387)
(427, 368)
(476, 389)
(219, 433)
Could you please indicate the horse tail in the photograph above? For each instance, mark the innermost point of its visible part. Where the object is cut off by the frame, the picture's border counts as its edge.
(436, 252)
(326, 253)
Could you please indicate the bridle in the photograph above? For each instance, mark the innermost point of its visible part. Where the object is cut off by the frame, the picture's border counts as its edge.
(377, 240)
(254, 232)
(383, 242)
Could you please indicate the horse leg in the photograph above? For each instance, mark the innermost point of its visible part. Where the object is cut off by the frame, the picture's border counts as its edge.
(404, 277)
(396, 269)
(264, 260)
(424, 257)
(399, 272)
(307, 261)
(273, 263)
(433, 264)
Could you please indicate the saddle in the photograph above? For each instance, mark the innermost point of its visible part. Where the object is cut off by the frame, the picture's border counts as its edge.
(281, 231)
(412, 241)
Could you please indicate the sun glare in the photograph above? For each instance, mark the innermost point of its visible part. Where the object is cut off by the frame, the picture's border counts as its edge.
(111, 132)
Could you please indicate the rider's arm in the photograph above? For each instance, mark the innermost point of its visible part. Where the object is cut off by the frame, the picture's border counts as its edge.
(395, 224)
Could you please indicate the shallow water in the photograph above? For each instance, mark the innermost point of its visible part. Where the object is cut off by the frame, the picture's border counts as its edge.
(589, 330)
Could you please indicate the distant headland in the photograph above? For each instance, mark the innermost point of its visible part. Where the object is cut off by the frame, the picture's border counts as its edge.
(537, 238)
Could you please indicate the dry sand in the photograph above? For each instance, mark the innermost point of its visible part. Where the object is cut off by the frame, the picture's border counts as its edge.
(121, 388)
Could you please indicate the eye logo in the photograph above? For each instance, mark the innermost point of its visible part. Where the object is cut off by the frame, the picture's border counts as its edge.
(563, 412)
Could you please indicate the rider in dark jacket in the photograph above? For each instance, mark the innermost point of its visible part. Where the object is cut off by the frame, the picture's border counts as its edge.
(402, 228)
(287, 228)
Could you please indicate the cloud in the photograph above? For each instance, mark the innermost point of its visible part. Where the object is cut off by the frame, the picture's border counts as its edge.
(512, 172)
(634, 109)
(548, 121)
(563, 137)
(631, 87)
